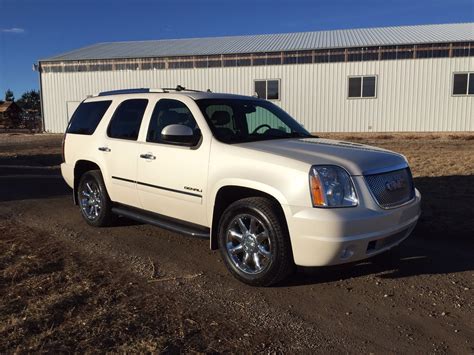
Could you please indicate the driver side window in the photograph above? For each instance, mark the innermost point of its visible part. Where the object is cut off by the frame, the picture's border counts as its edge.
(266, 120)
(168, 112)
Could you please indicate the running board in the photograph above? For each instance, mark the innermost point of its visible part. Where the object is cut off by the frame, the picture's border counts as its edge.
(172, 225)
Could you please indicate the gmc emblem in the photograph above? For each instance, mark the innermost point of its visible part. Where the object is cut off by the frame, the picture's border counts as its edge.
(395, 184)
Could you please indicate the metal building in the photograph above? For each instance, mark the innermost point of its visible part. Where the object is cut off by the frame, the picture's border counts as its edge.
(410, 78)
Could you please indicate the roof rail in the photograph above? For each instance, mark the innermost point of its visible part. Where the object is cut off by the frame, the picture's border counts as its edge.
(124, 91)
(178, 88)
(128, 91)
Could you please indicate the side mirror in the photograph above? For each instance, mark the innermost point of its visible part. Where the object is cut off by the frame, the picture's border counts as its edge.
(178, 134)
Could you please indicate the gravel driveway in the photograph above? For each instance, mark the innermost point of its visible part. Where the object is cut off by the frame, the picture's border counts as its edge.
(68, 287)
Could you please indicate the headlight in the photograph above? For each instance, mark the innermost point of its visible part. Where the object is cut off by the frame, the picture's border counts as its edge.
(331, 186)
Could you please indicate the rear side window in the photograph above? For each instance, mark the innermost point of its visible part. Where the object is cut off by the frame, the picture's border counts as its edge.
(87, 117)
(125, 124)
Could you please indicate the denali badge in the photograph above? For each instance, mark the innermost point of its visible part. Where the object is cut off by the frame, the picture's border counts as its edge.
(395, 184)
(192, 189)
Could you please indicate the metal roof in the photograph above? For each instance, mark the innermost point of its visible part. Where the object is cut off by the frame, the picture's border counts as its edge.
(364, 37)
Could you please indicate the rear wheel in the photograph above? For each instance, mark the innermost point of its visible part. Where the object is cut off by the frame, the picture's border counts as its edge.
(93, 200)
(254, 242)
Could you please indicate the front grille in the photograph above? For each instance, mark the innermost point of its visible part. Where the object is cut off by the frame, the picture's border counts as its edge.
(393, 188)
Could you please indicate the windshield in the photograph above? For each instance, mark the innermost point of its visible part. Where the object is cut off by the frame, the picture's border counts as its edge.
(240, 120)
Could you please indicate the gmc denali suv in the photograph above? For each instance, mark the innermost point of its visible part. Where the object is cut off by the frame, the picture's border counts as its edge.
(239, 171)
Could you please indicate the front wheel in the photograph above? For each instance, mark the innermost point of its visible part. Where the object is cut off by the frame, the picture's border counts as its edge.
(254, 242)
(94, 201)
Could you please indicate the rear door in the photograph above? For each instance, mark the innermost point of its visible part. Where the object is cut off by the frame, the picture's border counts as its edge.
(171, 178)
(119, 150)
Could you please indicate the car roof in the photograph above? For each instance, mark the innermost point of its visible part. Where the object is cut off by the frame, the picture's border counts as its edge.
(195, 95)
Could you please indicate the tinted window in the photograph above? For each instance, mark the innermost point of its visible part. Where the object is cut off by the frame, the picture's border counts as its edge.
(273, 60)
(471, 84)
(273, 90)
(368, 86)
(168, 112)
(261, 88)
(87, 116)
(355, 87)
(362, 86)
(267, 89)
(125, 123)
(243, 62)
(460, 84)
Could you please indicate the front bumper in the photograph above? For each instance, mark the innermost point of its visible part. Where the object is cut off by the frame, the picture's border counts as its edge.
(335, 236)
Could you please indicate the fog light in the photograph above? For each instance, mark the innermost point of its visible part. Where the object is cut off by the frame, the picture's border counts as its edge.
(347, 252)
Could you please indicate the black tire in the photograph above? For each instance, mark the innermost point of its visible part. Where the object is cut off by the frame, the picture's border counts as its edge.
(103, 217)
(266, 216)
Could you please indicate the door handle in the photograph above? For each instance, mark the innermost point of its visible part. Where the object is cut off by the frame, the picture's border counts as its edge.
(147, 156)
(104, 149)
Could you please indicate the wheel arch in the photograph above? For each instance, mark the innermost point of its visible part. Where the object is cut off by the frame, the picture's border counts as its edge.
(80, 168)
(227, 194)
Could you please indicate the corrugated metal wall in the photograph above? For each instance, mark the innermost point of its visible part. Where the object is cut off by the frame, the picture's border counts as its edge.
(412, 95)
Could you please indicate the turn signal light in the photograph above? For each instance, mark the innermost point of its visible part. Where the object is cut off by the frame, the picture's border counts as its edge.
(317, 193)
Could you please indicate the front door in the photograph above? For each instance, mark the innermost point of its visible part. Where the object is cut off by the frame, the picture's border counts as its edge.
(171, 178)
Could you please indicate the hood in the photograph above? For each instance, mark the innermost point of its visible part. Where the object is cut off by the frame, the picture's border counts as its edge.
(357, 159)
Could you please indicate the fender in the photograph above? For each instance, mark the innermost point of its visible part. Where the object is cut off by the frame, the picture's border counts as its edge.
(76, 182)
(243, 183)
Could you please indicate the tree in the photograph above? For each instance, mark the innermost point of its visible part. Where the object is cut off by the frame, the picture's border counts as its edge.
(9, 95)
(30, 100)
(31, 106)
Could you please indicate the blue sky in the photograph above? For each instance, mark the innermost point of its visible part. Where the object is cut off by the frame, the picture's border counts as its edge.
(35, 29)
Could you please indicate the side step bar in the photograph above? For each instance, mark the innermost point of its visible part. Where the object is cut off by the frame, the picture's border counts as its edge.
(163, 222)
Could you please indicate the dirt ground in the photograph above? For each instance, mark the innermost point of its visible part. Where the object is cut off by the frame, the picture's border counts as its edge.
(68, 287)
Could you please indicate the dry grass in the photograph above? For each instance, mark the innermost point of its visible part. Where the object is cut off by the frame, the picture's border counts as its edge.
(429, 154)
(59, 298)
(52, 299)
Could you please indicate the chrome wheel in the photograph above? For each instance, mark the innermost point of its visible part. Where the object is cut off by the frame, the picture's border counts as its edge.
(90, 199)
(248, 244)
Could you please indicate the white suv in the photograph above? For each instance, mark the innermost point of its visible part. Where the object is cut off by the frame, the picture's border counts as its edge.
(239, 171)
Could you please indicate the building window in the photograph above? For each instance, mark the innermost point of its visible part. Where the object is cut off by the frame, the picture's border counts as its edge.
(463, 84)
(127, 66)
(267, 89)
(463, 49)
(362, 86)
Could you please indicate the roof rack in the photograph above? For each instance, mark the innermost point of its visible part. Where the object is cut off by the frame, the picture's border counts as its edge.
(178, 88)
(127, 91)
